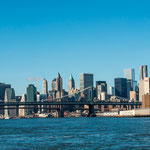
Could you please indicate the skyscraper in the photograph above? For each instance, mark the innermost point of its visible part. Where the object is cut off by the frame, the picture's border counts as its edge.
(147, 85)
(45, 87)
(53, 85)
(141, 89)
(59, 84)
(31, 97)
(129, 74)
(8, 94)
(13, 94)
(57, 88)
(121, 87)
(101, 88)
(71, 85)
(143, 75)
(143, 72)
(144, 87)
(31, 93)
(3, 87)
(86, 81)
(129, 87)
(112, 91)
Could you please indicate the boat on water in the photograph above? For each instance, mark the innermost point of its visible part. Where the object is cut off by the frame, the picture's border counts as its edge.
(6, 118)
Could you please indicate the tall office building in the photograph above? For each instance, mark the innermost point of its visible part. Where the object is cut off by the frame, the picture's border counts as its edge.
(31, 93)
(143, 72)
(101, 88)
(13, 96)
(121, 87)
(45, 87)
(57, 88)
(71, 85)
(31, 97)
(87, 81)
(129, 87)
(112, 91)
(3, 87)
(53, 85)
(129, 74)
(141, 89)
(104, 88)
(143, 75)
(8, 94)
(147, 85)
(59, 83)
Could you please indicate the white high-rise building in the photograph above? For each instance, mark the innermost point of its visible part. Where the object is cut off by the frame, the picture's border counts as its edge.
(129, 74)
(141, 89)
(112, 91)
(45, 87)
(143, 72)
(147, 85)
(144, 87)
(144, 82)
(101, 91)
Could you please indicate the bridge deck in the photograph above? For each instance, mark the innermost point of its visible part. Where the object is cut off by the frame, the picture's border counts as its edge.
(68, 103)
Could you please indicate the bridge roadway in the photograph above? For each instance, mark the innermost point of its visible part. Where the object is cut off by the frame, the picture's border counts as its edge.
(60, 105)
(52, 103)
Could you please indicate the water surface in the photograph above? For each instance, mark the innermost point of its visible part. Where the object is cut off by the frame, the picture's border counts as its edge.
(75, 133)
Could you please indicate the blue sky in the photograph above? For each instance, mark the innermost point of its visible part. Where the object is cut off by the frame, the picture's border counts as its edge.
(39, 38)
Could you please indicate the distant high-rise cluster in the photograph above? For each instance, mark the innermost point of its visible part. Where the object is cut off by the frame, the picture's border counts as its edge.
(124, 88)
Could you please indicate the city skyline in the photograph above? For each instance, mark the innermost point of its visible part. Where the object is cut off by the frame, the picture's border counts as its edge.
(38, 81)
(74, 74)
(100, 37)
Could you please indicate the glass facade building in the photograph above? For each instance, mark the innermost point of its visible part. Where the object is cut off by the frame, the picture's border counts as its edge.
(121, 87)
(31, 97)
(86, 81)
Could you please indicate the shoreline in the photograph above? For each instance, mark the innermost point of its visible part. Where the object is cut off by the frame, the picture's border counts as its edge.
(144, 116)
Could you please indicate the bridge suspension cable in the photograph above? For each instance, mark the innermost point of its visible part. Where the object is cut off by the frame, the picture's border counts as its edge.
(73, 93)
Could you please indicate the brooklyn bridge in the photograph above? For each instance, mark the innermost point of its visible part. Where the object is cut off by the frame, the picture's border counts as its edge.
(61, 106)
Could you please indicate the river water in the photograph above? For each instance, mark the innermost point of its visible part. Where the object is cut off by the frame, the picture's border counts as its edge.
(75, 133)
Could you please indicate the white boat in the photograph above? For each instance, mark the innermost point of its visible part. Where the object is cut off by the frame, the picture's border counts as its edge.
(6, 118)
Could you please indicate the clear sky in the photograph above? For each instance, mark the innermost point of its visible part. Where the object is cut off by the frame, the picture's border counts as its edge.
(39, 38)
